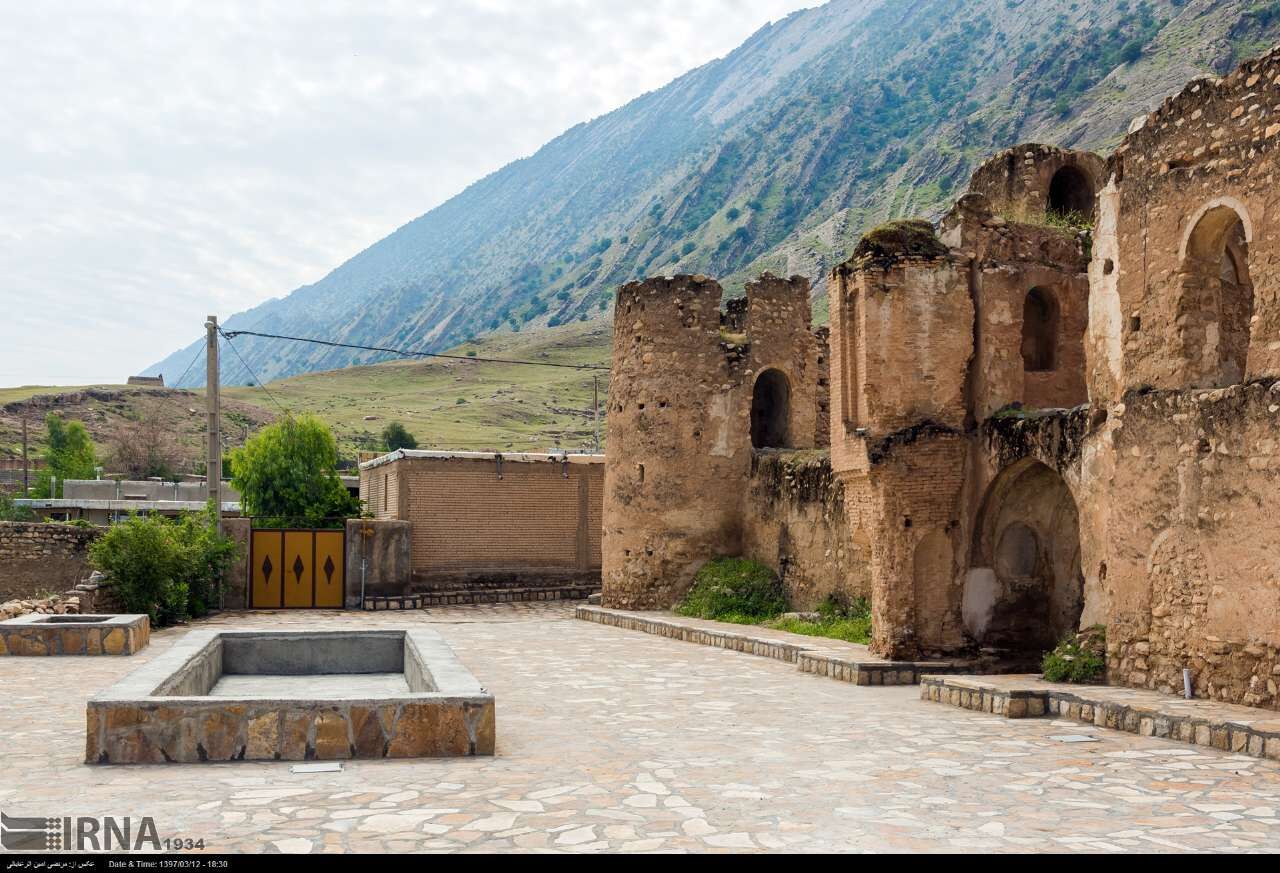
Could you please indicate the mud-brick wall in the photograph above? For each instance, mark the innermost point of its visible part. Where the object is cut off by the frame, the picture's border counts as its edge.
(1189, 540)
(479, 517)
(794, 521)
(36, 558)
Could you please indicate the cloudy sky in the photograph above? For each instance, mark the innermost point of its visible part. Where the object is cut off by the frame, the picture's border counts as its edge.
(166, 161)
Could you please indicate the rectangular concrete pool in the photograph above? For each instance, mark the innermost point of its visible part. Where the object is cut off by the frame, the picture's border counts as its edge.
(220, 695)
(40, 634)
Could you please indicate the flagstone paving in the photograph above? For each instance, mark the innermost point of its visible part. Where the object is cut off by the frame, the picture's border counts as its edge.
(613, 740)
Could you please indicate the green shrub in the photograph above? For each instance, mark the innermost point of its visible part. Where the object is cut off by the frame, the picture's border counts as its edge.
(734, 589)
(168, 569)
(209, 556)
(1080, 658)
(396, 436)
(10, 511)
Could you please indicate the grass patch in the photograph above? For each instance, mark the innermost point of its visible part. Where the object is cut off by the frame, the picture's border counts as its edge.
(1080, 658)
(739, 590)
(850, 622)
(1067, 222)
(742, 591)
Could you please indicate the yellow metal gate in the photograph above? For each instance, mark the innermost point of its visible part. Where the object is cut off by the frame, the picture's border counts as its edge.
(297, 569)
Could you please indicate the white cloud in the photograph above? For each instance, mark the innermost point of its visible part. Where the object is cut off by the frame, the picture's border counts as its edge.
(161, 163)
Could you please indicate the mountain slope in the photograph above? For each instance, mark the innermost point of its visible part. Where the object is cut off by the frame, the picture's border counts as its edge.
(774, 157)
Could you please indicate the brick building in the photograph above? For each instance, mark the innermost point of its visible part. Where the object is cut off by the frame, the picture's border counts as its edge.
(480, 517)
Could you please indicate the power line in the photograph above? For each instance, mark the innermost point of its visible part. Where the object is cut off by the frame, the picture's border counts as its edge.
(254, 375)
(178, 381)
(408, 354)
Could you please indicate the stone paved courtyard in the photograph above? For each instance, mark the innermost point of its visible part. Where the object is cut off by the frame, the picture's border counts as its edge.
(616, 740)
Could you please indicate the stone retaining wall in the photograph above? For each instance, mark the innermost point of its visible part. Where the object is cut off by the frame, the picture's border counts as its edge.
(38, 558)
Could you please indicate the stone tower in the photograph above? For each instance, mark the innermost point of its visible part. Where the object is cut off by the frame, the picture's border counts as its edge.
(693, 393)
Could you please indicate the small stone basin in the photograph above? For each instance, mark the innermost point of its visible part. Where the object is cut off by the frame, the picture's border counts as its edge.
(73, 619)
(267, 695)
(39, 634)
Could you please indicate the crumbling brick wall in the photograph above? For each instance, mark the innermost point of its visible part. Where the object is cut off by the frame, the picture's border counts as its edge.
(1134, 485)
(794, 521)
(1181, 472)
(687, 393)
(1013, 264)
(1187, 523)
(1205, 155)
(37, 558)
(901, 341)
(1024, 182)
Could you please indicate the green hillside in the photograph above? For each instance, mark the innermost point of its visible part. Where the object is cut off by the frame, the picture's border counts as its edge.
(774, 157)
(463, 405)
(459, 405)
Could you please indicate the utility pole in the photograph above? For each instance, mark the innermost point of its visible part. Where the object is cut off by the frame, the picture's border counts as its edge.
(213, 474)
(595, 407)
(26, 465)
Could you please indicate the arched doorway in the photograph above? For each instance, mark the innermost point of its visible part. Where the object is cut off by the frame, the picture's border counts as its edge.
(770, 410)
(1025, 590)
(1071, 192)
(1039, 331)
(1216, 302)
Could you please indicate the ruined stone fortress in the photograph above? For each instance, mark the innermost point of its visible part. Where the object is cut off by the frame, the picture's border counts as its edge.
(1031, 429)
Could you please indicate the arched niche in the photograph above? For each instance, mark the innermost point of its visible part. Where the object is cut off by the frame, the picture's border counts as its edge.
(1025, 589)
(770, 410)
(1041, 324)
(1215, 303)
(1071, 192)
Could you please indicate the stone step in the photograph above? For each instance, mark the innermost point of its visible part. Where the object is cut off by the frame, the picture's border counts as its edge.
(425, 600)
(1223, 726)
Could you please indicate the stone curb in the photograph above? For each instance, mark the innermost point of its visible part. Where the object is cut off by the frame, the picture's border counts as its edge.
(1077, 705)
(829, 663)
(455, 598)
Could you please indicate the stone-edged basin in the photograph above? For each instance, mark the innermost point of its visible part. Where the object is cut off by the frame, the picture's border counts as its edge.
(41, 634)
(264, 695)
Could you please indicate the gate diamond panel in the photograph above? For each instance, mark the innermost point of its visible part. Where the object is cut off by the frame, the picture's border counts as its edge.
(297, 569)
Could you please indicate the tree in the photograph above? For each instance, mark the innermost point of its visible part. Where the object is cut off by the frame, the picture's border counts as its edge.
(287, 475)
(68, 454)
(145, 449)
(1131, 52)
(394, 436)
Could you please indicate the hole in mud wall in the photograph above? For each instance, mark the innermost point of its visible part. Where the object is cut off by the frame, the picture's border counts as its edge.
(1026, 591)
(770, 410)
(1039, 331)
(1216, 302)
(1070, 191)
